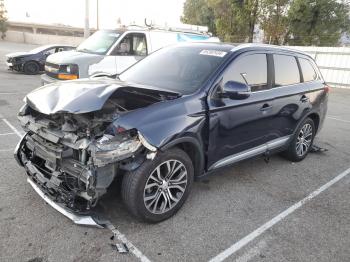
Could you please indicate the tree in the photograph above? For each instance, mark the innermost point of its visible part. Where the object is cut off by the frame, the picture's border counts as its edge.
(3, 19)
(235, 20)
(274, 20)
(198, 12)
(317, 22)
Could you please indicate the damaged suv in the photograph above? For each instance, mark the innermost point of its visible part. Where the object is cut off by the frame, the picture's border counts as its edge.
(178, 114)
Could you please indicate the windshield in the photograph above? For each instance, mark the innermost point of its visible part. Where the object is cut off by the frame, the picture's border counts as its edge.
(99, 42)
(181, 69)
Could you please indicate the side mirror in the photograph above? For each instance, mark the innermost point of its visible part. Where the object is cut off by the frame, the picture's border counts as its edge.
(236, 90)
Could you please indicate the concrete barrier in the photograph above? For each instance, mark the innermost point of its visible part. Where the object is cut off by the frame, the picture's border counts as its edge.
(41, 39)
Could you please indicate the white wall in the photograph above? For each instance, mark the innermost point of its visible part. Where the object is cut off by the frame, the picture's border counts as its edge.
(41, 39)
(334, 63)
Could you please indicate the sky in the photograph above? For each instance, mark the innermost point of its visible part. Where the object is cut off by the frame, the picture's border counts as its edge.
(72, 12)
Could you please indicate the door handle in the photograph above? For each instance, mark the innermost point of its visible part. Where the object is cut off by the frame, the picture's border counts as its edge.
(266, 107)
(304, 99)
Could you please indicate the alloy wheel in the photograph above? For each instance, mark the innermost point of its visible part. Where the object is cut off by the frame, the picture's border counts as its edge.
(304, 140)
(165, 186)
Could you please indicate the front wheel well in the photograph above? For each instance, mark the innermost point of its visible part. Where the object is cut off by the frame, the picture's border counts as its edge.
(195, 155)
(316, 118)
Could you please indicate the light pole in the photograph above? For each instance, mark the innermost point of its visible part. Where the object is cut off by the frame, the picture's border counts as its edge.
(86, 28)
(97, 14)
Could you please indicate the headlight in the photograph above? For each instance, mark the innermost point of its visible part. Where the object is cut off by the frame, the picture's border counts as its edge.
(68, 72)
(110, 148)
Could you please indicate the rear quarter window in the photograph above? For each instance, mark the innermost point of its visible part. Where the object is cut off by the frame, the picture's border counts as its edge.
(286, 70)
(309, 73)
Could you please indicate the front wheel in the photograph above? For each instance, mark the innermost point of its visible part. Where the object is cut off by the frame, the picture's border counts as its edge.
(31, 68)
(302, 141)
(158, 188)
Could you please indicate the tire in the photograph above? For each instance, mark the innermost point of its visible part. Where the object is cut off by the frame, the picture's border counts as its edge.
(138, 199)
(31, 68)
(302, 141)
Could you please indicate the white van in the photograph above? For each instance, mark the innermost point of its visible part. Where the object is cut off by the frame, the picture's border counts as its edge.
(109, 52)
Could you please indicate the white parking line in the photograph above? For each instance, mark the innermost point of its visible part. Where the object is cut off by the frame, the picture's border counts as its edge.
(131, 247)
(256, 233)
(12, 127)
(13, 93)
(109, 225)
(338, 119)
(7, 134)
(6, 150)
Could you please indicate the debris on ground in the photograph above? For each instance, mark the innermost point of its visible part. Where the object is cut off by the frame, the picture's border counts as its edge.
(121, 248)
(317, 149)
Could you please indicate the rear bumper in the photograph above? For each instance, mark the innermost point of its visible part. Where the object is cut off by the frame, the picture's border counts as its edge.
(77, 219)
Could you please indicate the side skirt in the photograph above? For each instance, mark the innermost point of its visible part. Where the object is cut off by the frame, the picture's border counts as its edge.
(259, 150)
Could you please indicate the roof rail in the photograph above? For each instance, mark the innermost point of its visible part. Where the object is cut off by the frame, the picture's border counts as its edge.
(186, 28)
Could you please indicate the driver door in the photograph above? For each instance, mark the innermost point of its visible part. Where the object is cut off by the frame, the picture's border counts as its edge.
(132, 48)
(240, 125)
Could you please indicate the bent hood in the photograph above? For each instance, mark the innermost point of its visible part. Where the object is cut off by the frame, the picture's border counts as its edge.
(78, 96)
(81, 96)
(16, 54)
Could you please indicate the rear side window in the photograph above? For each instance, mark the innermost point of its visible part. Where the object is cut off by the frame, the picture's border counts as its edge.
(286, 70)
(308, 70)
(252, 67)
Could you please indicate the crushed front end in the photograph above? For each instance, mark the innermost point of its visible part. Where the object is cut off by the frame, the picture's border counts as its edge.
(73, 158)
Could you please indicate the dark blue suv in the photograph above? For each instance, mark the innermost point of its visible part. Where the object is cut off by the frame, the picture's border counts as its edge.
(178, 114)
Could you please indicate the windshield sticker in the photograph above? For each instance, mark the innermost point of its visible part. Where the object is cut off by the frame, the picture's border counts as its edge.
(213, 53)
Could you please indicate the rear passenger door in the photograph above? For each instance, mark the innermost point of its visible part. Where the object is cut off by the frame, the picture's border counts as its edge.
(292, 98)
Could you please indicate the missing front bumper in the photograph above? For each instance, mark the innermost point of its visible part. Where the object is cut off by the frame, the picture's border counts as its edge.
(77, 219)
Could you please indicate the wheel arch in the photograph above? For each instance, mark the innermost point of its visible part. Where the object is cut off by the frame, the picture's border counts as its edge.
(316, 118)
(194, 150)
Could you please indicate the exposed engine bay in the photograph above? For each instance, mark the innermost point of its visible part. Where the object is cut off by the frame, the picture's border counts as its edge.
(74, 157)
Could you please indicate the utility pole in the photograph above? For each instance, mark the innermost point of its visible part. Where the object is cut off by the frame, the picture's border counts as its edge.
(86, 29)
(97, 14)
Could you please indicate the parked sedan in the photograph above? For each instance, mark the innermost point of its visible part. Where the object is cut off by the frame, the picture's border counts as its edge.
(33, 62)
(182, 112)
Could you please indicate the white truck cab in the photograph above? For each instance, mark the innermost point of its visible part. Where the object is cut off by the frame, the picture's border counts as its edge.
(109, 52)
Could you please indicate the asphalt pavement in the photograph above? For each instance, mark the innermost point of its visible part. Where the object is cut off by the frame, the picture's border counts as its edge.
(253, 211)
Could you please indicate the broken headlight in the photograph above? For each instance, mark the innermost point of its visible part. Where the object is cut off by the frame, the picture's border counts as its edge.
(108, 148)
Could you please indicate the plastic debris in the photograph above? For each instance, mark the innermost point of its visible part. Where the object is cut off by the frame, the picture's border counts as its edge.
(317, 149)
(121, 248)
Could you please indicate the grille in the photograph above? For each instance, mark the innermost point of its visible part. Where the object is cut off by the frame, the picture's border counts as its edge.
(52, 69)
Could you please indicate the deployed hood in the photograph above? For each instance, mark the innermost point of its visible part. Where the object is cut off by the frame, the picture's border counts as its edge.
(16, 54)
(73, 56)
(78, 96)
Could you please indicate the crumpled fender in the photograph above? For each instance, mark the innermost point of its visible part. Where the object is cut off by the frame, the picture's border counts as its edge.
(163, 122)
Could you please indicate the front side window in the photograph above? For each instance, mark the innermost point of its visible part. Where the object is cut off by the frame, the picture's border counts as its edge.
(250, 68)
(286, 70)
(180, 69)
(308, 70)
(99, 43)
(133, 44)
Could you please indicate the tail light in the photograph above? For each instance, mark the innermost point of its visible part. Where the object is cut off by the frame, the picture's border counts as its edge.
(327, 89)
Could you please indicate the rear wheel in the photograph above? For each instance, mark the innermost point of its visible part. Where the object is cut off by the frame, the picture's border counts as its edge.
(302, 141)
(31, 68)
(158, 188)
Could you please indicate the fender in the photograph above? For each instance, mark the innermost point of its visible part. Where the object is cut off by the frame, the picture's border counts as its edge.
(199, 163)
(306, 115)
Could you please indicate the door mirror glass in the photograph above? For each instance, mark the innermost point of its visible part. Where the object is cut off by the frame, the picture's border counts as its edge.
(236, 90)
